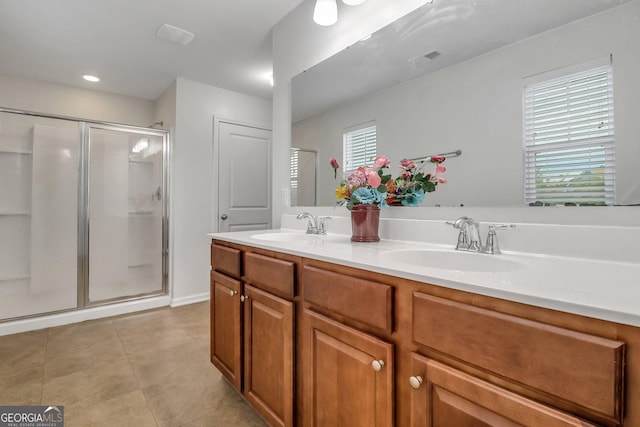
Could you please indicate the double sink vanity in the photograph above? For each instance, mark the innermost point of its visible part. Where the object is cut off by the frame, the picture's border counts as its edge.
(315, 330)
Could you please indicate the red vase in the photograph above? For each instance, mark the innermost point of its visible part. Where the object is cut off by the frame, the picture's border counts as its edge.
(364, 223)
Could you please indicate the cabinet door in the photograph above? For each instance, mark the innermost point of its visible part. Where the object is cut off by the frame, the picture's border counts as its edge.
(447, 397)
(350, 378)
(268, 356)
(226, 327)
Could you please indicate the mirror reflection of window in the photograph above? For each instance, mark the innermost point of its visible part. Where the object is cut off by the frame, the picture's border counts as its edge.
(359, 146)
(569, 137)
(303, 165)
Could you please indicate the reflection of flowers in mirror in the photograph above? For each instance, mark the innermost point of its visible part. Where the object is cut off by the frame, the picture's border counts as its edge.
(410, 187)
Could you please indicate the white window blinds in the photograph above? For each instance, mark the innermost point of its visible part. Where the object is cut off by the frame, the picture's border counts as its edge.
(569, 139)
(359, 147)
(293, 187)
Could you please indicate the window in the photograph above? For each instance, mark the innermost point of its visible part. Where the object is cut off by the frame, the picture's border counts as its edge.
(569, 139)
(295, 165)
(359, 147)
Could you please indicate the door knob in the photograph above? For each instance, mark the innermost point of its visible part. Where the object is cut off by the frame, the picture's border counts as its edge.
(377, 365)
(416, 381)
(223, 217)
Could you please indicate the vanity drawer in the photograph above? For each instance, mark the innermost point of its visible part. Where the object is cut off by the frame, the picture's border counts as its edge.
(576, 367)
(358, 299)
(270, 274)
(226, 260)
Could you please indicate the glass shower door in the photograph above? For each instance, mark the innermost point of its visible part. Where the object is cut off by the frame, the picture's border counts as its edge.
(125, 213)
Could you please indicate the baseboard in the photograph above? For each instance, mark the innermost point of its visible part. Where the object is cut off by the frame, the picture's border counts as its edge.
(191, 299)
(77, 316)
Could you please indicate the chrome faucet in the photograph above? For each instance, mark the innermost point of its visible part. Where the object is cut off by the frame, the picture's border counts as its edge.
(316, 224)
(469, 237)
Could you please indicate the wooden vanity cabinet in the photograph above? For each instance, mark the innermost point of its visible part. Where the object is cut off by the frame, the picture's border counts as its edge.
(349, 373)
(446, 397)
(316, 344)
(252, 328)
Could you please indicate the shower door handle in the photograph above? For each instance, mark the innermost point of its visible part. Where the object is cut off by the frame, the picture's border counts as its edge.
(223, 217)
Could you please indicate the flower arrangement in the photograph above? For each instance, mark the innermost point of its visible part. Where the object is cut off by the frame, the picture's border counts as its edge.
(369, 185)
(410, 187)
(366, 186)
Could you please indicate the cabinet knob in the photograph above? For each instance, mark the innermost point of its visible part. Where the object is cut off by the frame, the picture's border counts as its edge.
(416, 381)
(377, 365)
(243, 298)
(232, 293)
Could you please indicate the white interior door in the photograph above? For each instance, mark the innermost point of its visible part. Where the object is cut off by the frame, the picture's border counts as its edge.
(244, 177)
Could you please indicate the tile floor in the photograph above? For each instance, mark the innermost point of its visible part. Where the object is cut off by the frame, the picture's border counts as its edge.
(143, 369)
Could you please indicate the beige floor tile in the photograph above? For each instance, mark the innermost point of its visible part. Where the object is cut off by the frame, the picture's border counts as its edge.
(23, 393)
(26, 341)
(143, 369)
(93, 355)
(125, 410)
(168, 368)
(103, 382)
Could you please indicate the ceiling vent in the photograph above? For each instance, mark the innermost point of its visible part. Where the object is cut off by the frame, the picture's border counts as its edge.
(175, 34)
(432, 55)
(425, 56)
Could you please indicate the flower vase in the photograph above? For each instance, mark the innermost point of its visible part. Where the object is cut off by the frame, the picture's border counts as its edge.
(364, 223)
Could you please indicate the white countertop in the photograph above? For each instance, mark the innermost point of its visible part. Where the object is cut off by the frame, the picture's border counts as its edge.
(607, 290)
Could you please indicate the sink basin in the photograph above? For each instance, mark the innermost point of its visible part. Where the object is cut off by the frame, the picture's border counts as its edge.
(455, 260)
(292, 237)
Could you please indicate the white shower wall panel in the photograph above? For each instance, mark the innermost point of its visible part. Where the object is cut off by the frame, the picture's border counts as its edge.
(54, 210)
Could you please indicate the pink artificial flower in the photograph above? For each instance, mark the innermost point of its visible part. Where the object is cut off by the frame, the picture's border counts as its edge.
(440, 169)
(335, 165)
(407, 164)
(405, 175)
(373, 178)
(381, 162)
(437, 159)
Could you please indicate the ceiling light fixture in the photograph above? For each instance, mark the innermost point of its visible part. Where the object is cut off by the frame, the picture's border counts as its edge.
(90, 78)
(325, 13)
(353, 2)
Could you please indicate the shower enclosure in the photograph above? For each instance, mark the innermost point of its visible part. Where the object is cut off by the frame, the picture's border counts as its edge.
(83, 213)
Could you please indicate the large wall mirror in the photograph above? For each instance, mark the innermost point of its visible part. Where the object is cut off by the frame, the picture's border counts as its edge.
(450, 76)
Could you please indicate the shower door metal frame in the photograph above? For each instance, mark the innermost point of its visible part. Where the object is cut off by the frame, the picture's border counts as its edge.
(84, 226)
(84, 127)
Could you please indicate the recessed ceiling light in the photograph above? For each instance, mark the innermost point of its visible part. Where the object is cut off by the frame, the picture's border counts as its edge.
(90, 78)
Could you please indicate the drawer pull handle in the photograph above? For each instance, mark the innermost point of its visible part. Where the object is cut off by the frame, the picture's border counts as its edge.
(377, 365)
(416, 381)
(232, 293)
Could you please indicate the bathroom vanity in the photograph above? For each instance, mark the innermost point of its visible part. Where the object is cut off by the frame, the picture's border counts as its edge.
(317, 331)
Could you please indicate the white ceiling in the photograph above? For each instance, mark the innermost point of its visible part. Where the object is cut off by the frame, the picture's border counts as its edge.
(457, 29)
(59, 40)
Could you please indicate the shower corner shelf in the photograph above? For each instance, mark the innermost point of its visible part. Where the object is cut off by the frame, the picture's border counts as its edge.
(14, 213)
(15, 151)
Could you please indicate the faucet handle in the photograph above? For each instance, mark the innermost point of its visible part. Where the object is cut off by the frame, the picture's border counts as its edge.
(492, 246)
(458, 223)
(321, 226)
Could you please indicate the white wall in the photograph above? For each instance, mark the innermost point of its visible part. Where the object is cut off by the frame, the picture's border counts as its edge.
(192, 198)
(476, 106)
(51, 98)
(298, 44)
